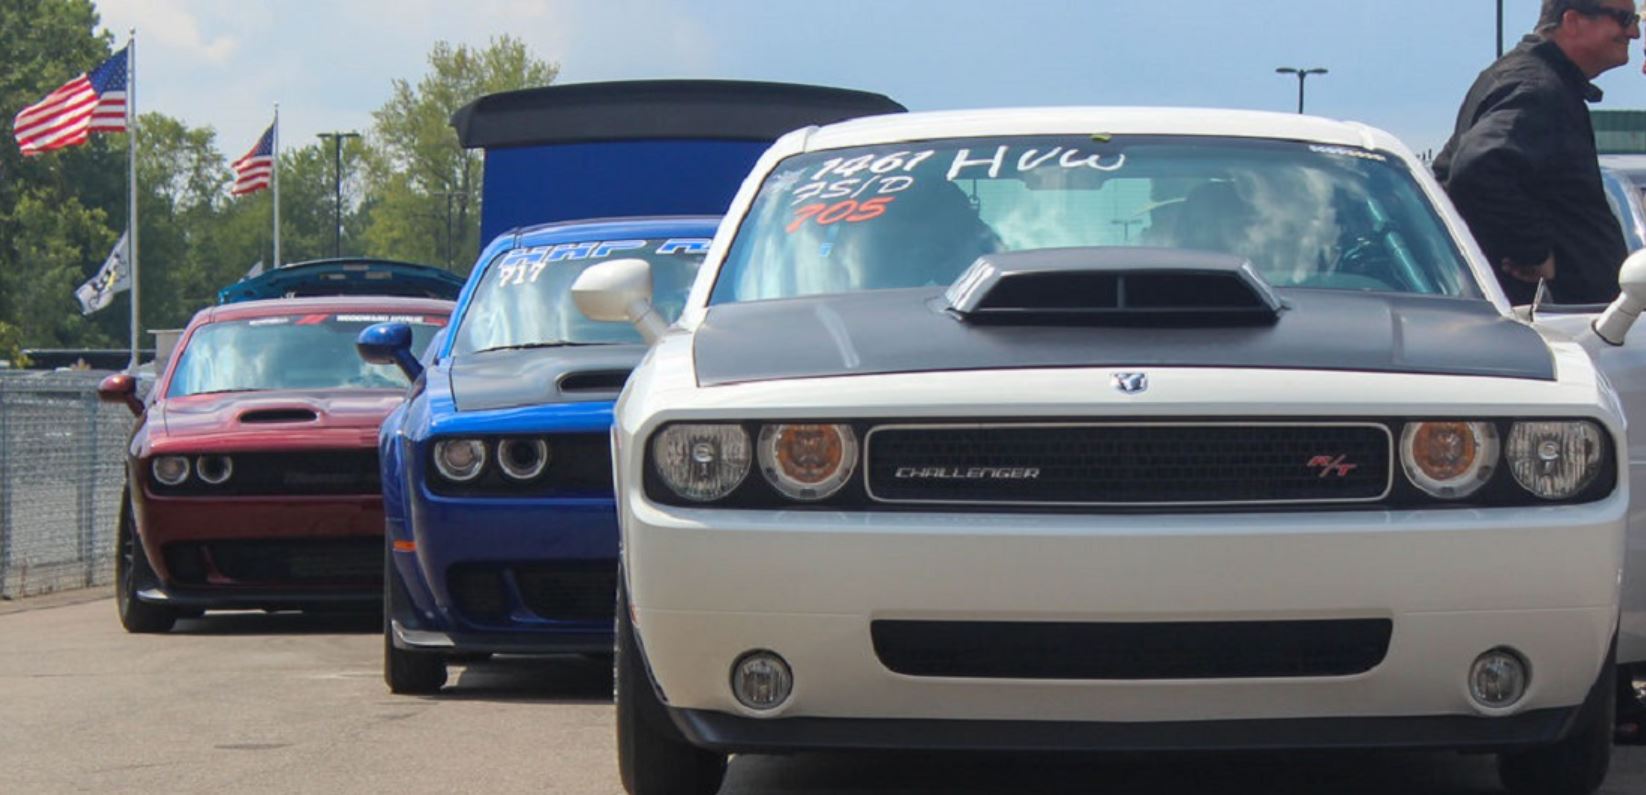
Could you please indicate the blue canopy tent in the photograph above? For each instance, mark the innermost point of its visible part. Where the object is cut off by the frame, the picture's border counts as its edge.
(628, 148)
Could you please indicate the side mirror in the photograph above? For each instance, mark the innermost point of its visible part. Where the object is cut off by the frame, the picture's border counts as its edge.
(389, 343)
(620, 291)
(1613, 324)
(120, 388)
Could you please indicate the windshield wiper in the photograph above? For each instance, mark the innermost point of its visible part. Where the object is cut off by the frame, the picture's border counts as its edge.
(530, 345)
(222, 391)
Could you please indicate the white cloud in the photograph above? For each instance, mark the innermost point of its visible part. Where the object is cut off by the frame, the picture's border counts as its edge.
(171, 24)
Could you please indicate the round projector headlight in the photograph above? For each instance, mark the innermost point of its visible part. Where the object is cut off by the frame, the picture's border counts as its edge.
(170, 469)
(523, 459)
(807, 462)
(1449, 459)
(702, 463)
(459, 460)
(1554, 459)
(214, 469)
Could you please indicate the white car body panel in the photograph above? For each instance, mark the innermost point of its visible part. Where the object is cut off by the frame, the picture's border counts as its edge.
(707, 585)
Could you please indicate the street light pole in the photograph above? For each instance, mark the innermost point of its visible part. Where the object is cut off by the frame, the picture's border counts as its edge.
(337, 187)
(1302, 74)
(1500, 28)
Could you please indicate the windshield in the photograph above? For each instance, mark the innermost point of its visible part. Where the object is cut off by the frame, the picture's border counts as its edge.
(524, 299)
(1625, 201)
(311, 351)
(919, 214)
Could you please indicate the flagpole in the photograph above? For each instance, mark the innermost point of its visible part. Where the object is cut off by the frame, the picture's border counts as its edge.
(275, 166)
(131, 181)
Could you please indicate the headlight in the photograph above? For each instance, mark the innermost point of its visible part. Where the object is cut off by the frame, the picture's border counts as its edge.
(170, 469)
(701, 463)
(1449, 460)
(1555, 460)
(459, 460)
(523, 459)
(214, 469)
(808, 462)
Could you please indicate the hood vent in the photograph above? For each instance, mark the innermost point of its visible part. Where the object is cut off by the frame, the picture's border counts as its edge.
(269, 416)
(594, 381)
(1113, 286)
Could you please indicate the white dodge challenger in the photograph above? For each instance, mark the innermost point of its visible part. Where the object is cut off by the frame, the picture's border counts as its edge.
(1083, 429)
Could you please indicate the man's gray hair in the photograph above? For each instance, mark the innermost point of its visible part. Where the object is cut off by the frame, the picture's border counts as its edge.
(1554, 10)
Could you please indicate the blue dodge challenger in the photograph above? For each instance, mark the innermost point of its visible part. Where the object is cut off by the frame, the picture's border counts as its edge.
(502, 532)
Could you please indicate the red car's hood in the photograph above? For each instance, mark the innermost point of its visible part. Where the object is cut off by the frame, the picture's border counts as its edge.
(273, 419)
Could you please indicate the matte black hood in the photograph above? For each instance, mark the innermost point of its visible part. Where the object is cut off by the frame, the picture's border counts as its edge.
(534, 376)
(908, 331)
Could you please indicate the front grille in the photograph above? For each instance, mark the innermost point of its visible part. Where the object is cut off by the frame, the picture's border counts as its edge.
(1131, 651)
(310, 562)
(560, 591)
(290, 474)
(1129, 464)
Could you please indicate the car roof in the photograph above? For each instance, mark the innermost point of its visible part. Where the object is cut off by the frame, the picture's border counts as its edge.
(615, 228)
(1092, 120)
(375, 304)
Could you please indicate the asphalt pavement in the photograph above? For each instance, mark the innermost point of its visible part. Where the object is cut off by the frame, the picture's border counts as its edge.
(249, 702)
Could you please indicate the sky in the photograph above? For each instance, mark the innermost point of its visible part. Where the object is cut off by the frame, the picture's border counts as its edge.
(1402, 65)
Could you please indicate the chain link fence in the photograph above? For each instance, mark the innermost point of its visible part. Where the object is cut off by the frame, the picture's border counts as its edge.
(62, 469)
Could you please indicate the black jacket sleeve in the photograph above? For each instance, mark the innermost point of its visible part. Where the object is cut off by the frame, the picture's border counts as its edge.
(1495, 166)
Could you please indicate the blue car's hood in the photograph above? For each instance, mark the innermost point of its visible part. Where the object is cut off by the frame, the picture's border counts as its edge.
(510, 378)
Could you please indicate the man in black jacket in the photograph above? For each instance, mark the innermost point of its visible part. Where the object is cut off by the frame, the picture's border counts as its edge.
(1521, 166)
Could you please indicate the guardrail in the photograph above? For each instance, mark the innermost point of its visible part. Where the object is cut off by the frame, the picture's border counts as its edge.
(62, 469)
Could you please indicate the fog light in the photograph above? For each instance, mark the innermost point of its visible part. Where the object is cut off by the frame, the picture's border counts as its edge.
(762, 681)
(1498, 679)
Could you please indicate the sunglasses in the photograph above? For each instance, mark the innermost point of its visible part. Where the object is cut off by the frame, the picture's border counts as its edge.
(1625, 19)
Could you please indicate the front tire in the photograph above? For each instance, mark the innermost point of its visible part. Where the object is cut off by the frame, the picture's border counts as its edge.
(131, 573)
(652, 756)
(1577, 764)
(407, 673)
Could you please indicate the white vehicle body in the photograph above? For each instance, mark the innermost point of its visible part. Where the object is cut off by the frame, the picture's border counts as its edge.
(708, 585)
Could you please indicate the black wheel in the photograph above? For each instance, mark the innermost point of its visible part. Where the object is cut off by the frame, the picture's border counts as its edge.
(405, 672)
(652, 756)
(131, 574)
(1576, 765)
(1631, 706)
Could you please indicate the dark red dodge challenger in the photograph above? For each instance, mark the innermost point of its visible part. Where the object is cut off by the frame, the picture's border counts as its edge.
(252, 478)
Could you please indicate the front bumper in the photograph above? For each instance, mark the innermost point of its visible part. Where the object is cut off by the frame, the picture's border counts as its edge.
(709, 586)
(262, 551)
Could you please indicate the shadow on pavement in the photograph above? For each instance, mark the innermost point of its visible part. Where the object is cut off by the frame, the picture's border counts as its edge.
(1164, 774)
(567, 679)
(287, 623)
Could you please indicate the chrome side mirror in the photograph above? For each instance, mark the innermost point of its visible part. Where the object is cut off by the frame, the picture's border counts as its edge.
(617, 292)
(1613, 324)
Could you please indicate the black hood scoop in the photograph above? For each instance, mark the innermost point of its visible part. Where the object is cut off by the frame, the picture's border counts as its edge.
(510, 378)
(1113, 286)
(261, 416)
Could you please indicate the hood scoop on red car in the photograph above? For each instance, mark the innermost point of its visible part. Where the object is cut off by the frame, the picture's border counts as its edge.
(272, 416)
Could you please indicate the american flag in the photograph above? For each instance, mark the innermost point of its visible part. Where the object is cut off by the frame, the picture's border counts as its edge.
(92, 102)
(252, 172)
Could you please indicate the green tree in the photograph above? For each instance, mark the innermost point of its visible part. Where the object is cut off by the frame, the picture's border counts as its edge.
(419, 179)
(54, 208)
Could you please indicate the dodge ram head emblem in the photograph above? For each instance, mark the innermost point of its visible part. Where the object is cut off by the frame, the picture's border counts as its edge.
(1131, 383)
